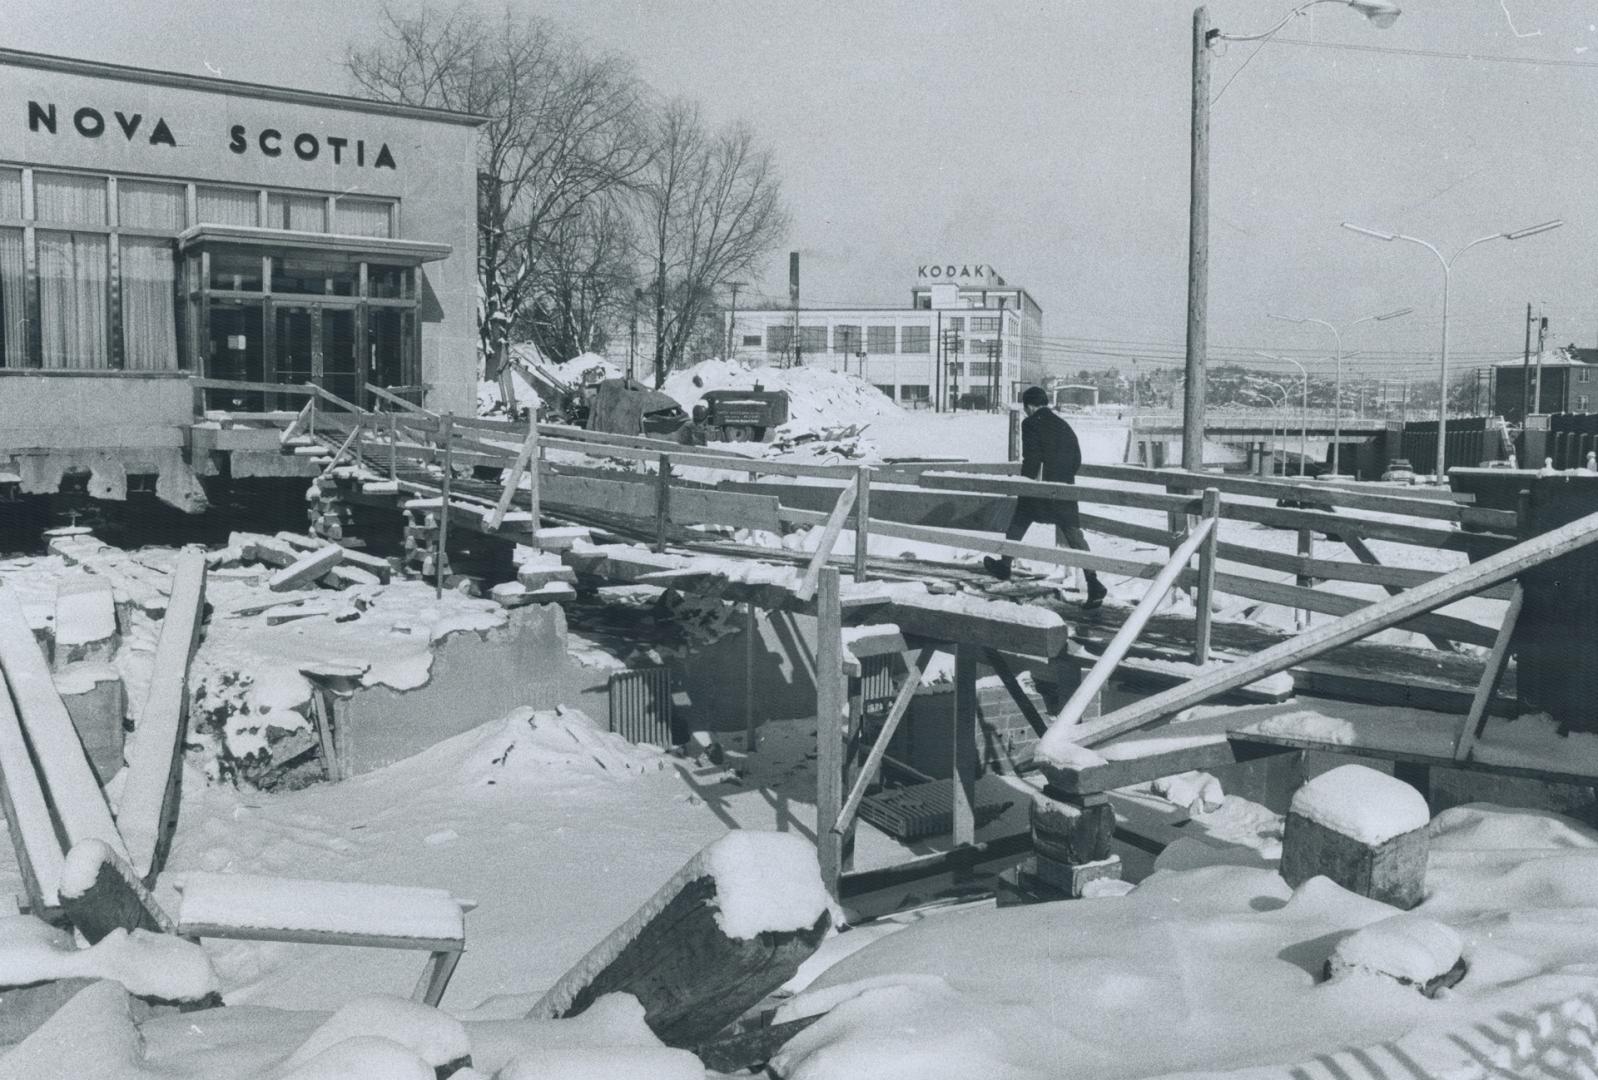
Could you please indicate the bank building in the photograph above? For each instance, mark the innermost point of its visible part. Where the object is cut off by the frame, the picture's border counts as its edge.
(158, 228)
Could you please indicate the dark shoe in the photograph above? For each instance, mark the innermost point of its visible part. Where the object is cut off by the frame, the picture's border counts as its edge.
(999, 568)
(1096, 595)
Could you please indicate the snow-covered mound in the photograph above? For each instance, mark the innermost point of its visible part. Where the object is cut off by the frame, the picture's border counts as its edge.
(816, 398)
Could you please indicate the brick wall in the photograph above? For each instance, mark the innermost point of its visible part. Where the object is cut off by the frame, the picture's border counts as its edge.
(925, 737)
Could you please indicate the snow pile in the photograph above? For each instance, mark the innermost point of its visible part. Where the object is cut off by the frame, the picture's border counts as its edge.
(334, 907)
(1362, 804)
(614, 1021)
(150, 965)
(580, 369)
(364, 1057)
(92, 1035)
(1195, 792)
(1408, 947)
(765, 882)
(816, 398)
(533, 742)
(423, 1031)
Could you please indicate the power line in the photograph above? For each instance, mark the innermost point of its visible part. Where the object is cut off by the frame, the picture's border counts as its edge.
(1435, 54)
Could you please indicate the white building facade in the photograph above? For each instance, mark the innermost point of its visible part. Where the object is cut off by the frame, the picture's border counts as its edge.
(967, 339)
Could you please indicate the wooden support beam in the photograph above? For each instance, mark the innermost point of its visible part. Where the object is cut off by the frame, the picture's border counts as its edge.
(1057, 492)
(33, 838)
(440, 553)
(1306, 548)
(306, 569)
(1095, 679)
(662, 500)
(67, 778)
(101, 893)
(343, 448)
(1023, 701)
(890, 724)
(829, 733)
(394, 399)
(298, 422)
(862, 521)
(1492, 674)
(829, 537)
(963, 784)
(147, 811)
(528, 452)
(751, 729)
(1360, 624)
(1204, 598)
(1365, 555)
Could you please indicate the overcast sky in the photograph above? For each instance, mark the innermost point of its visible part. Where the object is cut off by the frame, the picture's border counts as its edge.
(1050, 140)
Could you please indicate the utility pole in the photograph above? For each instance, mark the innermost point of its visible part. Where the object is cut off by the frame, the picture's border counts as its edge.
(993, 373)
(1198, 248)
(632, 339)
(732, 318)
(1403, 414)
(1525, 371)
(793, 300)
(1542, 333)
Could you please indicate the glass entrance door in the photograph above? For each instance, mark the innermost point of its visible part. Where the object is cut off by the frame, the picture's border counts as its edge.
(316, 344)
(341, 373)
(296, 343)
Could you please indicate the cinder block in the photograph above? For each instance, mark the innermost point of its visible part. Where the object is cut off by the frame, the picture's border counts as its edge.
(1362, 829)
(1071, 880)
(97, 702)
(1072, 834)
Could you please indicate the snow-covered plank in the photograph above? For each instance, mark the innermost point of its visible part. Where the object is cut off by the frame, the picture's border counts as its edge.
(255, 907)
(307, 567)
(101, 893)
(727, 929)
(999, 624)
(68, 779)
(39, 857)
(142, 816)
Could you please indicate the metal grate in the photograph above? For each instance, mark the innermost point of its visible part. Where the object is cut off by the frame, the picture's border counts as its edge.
(910, 813)
(640, 705)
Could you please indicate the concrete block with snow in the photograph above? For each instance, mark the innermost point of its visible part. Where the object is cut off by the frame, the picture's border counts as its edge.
(1362, 829)
(85, 620)
(1414, 950)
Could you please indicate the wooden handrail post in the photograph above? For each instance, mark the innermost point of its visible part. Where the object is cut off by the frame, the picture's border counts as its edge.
(446, 423)
(1205, 596)
(829, 536)
(310, 422)
(879, 748)
(662, 501)
(393, 449)
(829, 729)
(1306, 549)
(528, 452)
(1492, 674)
(862, 521)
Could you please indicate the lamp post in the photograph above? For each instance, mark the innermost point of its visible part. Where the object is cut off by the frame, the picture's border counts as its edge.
(1337, 392)
(1303, 434)
(1381, 15)
(1448, 266)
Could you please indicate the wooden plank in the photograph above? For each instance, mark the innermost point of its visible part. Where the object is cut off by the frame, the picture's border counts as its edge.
(306, 568)
(963, 785)
(862, 522)
(662, 500)
(33, 838)
(1492, 674)
(394, 399)
(1204, 596)
(527, 453)
(1016, 628)
(441, 552)
(101, 893)
(890, 724)
(1341, 524)
(258, 387)
(1043, 489)
(1315, 641)
(636, 498)
(829, 538)
(829, 737)
(1296, 596)
(724, 462)
(672, 955)
(149, 792)
(64, 770)
(1115, 652)
(1365, 555)
(1416, 502)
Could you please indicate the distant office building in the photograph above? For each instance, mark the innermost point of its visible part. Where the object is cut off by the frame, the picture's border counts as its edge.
(1565, 382)
(967, 339)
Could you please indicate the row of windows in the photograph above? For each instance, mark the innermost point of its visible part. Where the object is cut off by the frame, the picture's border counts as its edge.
(119, 203)
(879, 340)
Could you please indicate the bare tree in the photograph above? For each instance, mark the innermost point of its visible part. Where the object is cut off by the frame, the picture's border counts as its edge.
(712, 207)
(584, 276)
(563, 127)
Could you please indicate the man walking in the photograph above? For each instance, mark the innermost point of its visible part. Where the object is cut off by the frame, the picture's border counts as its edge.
(1049, 451)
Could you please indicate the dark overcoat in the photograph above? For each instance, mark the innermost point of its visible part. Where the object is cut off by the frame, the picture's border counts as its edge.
(1049, 451)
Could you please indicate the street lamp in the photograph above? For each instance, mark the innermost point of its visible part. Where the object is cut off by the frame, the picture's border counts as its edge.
(1303, 435)
(1337, 392)
(1448, 266)
(1381, 15)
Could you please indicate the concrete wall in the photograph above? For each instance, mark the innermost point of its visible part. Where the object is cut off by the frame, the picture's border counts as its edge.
(475, 678)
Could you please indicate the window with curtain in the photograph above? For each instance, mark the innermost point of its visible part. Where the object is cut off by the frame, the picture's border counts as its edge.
(13, 302)
(362, 217)
(66, 199)
(301, 213)
(142, 205)
(149, 291)
(226, 206)
(73, 277)
(11, 193)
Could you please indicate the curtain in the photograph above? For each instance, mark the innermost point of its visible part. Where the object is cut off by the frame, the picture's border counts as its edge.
(13, 305)
(11, 193)
(73, 280)
(226, 206)
(362, 217)
(151, 206)
(68, 199)
(149, 291)
(301, 213)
